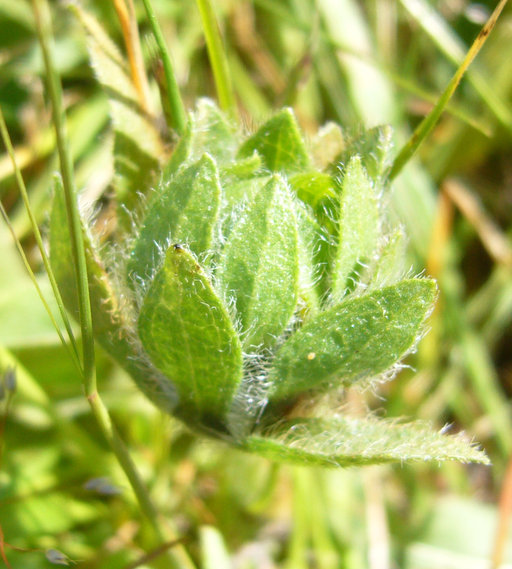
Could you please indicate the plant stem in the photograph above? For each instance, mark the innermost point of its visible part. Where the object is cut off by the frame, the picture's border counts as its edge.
(126, 15)
(73, 352)
(179, 117)
(178, 557)
(43, 25)
(39, 240)
(428, 123)
(217, 57)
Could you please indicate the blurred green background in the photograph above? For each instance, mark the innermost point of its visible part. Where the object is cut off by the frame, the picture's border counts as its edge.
(356, 63)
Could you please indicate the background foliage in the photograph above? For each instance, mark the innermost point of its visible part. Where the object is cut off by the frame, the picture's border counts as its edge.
(359, 65)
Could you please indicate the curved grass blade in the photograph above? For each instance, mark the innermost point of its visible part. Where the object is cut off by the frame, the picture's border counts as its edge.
(177, 115)
(428, 123)
(356, 340)
(449, 43)
(189, 336)
(217, 55)
(75, 235)
(37, 235)
(345, 441)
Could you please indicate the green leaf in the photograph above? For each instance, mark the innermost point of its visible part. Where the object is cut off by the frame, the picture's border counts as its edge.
(313, 187)
(359, 226)
(309, 233)
(138, 148)
(236, 197)
(359, 338)
(185, 210)
(327, 145)
(111, 325)
(208, 131)
(374, 147)
(279, 143)
(241, 170)
(259, 264)
(188, 335)
(346, 441)
(103, 301)
(389, 266)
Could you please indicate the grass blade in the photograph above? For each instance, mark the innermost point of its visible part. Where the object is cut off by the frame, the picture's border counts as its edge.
(217, 56)
(176, 104)
(43, 26)
(37, 235)
(428, 123)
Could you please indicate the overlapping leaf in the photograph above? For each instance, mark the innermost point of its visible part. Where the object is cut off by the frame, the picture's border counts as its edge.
(185, 210)
(208, 131)
(189, 336)
(259, 265)
(357, 339)
(309, 234)
(110, 325)
(374, 146)
(279, 143)
(359, 225)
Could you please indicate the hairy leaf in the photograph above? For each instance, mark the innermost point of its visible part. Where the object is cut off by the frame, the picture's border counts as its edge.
(374, 146)
(189, 336)
(184, 210)
(279, 143)
(103, 301)
(359, 225)
(389, 266)
(309, 233)
(357, 339)
(259, 265)
(345, 441)
(208, 131)
(327, 145)
(111, 328)
(313, 187)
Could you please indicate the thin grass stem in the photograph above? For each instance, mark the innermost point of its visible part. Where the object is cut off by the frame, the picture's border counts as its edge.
(179, 117)
(43, 27)
(178, 557)
(72, 352)
(218, 59)
(37, 234)
(428, 123)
